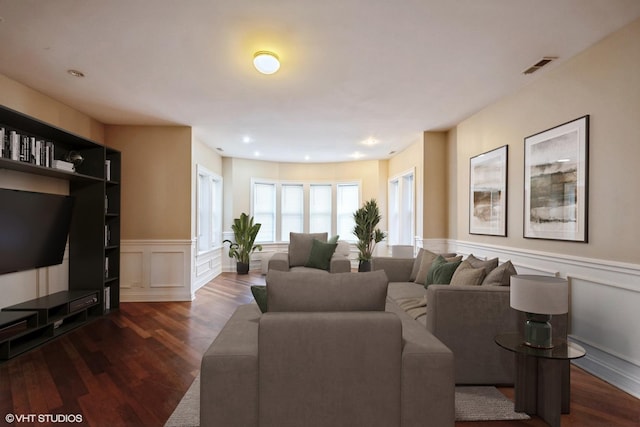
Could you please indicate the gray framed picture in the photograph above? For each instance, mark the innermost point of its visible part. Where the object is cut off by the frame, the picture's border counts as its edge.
(556, 172)
(488, 193)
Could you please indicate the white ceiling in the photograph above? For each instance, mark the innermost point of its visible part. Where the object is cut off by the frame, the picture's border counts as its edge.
(351, 69)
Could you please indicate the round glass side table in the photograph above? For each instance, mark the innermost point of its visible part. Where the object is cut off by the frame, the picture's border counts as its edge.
(542, 383)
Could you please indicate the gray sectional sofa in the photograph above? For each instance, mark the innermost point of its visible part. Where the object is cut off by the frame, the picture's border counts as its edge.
(332, 350)
(465, 317)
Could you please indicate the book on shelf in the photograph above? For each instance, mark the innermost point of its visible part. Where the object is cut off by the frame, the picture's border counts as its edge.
(4, 148)
(107, 170)
(107, 298)
(62, 165)
(106, 267)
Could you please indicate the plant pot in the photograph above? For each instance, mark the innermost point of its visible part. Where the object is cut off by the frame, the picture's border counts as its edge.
(364, 266)
(242, 268)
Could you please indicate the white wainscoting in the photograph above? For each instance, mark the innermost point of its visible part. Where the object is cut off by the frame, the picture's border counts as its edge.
(207, 266)
(157, 270)
(604, 301)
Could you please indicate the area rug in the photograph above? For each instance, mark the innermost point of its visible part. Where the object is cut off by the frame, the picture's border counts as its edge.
(472, 404)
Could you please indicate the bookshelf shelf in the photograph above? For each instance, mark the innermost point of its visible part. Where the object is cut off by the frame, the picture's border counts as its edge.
(95, 187)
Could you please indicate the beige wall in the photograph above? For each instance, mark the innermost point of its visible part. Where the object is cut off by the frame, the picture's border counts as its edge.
(239, 172)
(35, 104)
(156, 181)
(604, 82)
(435, 210)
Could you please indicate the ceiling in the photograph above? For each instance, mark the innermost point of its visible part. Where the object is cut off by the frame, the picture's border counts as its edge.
(352, 70)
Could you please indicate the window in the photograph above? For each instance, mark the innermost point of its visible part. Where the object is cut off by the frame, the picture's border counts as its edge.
(264, 211)
(320, 208)
(292, 210)
(348, 201)
(209, 209)
(401, 209)
(282, 208)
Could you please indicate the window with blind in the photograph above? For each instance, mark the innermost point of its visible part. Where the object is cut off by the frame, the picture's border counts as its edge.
(264, 210)
(304, 207)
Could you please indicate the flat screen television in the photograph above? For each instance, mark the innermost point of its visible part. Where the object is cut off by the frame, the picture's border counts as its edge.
(33, 229)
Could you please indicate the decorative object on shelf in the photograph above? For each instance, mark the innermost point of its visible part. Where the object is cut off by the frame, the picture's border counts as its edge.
(367, 219)
(244, 233)
(556, 172)
(488, 193)
(75, 158)
(539, 297)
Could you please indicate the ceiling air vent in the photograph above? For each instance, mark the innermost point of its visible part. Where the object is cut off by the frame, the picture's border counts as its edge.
(535, 67)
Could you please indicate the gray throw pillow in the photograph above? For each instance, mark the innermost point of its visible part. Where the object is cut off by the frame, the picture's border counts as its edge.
(488, 265)
(466, 274)
(500, 276)
(425, 264)
(416, 265)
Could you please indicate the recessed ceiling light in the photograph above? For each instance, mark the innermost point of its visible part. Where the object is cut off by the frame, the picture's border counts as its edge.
(370, 141)
(75, 73)
(256, 153)
(246, 139)
(357, 155)
(307, 158)
(266, 62)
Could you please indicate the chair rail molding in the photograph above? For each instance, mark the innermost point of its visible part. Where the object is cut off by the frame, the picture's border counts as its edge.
(603, 297)
(157, 270)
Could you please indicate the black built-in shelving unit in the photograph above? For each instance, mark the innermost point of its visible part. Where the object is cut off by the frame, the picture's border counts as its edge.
(94, 236)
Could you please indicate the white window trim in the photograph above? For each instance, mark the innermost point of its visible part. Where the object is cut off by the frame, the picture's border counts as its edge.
(216, 227)
(399, 178)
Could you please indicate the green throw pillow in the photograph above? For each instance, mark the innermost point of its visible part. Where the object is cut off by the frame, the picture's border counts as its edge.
(444, 272)
(334, 239)
(440, 269)
(260, 295)
(321, 253)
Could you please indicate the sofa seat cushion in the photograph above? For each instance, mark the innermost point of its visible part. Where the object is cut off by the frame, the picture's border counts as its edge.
(402, 290)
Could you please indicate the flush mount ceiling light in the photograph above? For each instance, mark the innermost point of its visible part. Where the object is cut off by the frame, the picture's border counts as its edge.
(266, 62)
(75, 73)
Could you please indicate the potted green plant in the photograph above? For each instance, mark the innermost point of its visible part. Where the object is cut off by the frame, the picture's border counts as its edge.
(244, 233)
(367, 219)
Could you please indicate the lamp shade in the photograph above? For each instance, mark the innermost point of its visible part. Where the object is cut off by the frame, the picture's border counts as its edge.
(266, 62)
(539, 294)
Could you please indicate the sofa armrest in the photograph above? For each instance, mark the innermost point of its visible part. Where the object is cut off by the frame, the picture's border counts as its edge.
(397, 269)
(229, 373)
(279, 261)
(340, 264)
(467, 319)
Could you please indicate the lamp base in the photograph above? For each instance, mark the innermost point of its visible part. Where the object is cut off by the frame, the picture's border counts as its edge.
(537, 331)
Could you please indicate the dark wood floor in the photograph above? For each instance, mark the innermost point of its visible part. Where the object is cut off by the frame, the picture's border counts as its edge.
(132, 367)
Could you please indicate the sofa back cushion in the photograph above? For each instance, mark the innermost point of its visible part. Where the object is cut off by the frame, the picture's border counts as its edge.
(300, 247)
(299, 291)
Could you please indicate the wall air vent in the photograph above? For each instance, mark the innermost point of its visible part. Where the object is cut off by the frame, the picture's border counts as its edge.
(535, 67)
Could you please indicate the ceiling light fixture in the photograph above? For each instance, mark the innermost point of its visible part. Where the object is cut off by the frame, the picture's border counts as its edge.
(370, 142)
(266, 62)
(75, 73)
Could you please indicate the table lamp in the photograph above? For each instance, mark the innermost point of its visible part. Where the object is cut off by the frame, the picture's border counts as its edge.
(539, 297)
